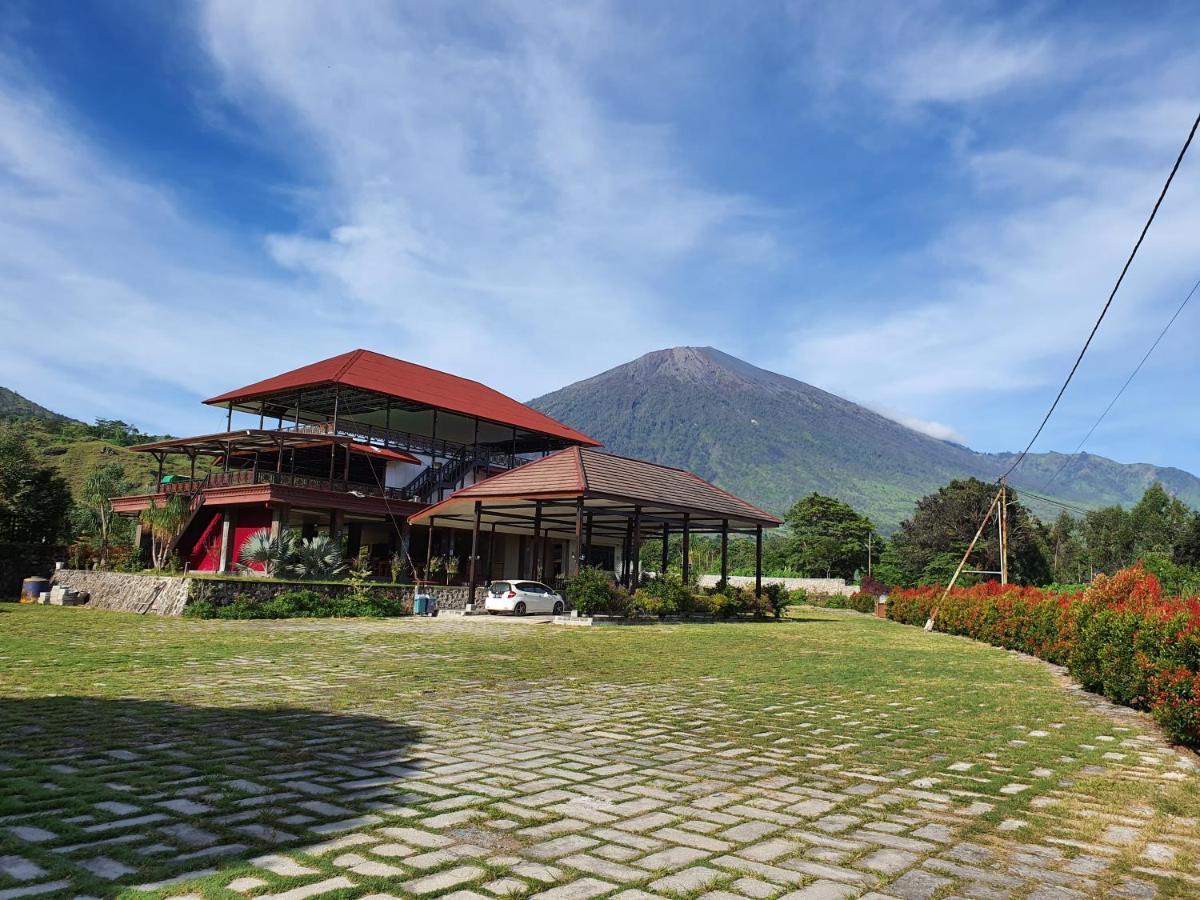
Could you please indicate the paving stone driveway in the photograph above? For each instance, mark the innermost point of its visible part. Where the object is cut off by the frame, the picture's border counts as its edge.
(549, 791)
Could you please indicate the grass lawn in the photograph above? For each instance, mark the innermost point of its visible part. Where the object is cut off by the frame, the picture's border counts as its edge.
(832, 754)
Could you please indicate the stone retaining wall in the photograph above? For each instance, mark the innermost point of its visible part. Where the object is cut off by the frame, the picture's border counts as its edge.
(836, 586)
(168, 595)
(164, 595)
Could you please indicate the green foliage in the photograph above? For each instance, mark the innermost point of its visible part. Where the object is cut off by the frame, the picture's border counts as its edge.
(359, 577)
(301, 604)
(828, 539)
(591, 591)
(268, 556)
(163, 521)
(318, 558)
(93, 516)
(34, 501)
(928, 546)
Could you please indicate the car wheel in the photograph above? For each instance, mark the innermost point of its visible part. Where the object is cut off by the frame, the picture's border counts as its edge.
(558, 608)
(519, 609)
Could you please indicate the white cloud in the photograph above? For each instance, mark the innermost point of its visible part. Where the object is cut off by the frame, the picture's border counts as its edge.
(477, 193)
(939, 430)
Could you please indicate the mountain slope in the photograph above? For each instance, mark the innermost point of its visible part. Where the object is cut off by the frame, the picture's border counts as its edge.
(14, 406)
(772, 439)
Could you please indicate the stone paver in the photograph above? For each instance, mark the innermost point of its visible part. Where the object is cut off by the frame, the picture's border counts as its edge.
(634, 792)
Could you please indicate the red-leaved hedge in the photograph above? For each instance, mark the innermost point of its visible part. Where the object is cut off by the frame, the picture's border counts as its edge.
(1120, 637)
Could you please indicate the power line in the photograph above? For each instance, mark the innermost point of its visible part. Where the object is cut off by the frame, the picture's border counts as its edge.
(1132, 375)
(1103, 312)
(1067, 506)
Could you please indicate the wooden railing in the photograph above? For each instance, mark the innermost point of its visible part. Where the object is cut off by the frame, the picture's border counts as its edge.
(286, 479)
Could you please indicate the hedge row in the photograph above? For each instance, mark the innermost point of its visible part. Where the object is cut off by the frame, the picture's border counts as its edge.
(1119, 637)
(304, 604)
(592, 592)
(859, 601)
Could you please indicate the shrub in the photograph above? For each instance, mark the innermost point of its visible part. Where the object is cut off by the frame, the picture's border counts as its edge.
(650, 603)
(862, 601)
(779, 598)
(1120, 637)
(305, 604)
(591, 592)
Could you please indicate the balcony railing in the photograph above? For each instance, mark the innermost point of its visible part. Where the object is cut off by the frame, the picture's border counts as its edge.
(249, 476)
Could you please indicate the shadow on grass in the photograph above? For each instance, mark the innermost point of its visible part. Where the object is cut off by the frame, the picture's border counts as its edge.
(101, 795)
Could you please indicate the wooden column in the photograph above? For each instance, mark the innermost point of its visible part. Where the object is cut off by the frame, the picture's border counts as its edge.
(758, 561)
(229, 416)
(625, 560)
(636, 560)
(428, 549)
(161, 459)
(346, 470)
(471, 573)
(262, 412)
(353, 539)
(666, 550)
(279, 519)
(724, 553)
(587, 538)
(577, 561)
(534, 554)
(687, 548)
(491, 555)
(336, 520)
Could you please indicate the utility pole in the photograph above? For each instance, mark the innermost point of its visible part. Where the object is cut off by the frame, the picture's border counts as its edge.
(962, 564)
(1003, 522)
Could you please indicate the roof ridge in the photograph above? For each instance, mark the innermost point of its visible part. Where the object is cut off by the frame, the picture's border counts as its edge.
(583, 477)
(354, 356)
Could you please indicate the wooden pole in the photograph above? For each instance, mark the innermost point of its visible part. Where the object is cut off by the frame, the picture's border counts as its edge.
(758, 561)
(687, 549)
(474, 552)
(491, 555)
(963, 562)
(229, 416)
(724, 554)
(635, 574)
(534, 553)
(579, 557)
(1003, 533)
(666, 549)
(428, 549)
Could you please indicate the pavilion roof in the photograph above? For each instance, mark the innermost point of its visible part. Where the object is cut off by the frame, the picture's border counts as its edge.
(366, 370)
(619, 482)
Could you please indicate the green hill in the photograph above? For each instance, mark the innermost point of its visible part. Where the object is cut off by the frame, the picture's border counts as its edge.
(14, 406)
(773, 439)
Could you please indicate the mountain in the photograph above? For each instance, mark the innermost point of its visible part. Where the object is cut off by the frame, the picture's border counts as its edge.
(14, 406)
(773, 439)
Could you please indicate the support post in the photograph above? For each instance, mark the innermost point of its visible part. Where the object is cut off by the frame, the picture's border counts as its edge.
(758, 561)
(586, 552)
(471, 573)
(537, 540)
(724, 554)
(223, 562)
(428, 549)
(262, 412)
(346, 470)
(229, 416)
(636, 554)
(687, 548)
(577, 563)
(625, 560)
(491, 555)
(1003, 533)
(336, 521)
(666, 550)
(161, 458)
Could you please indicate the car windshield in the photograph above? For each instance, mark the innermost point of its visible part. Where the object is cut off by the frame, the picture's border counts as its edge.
(498, 588)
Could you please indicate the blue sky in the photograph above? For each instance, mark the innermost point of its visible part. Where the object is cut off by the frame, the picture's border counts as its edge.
(918, 206)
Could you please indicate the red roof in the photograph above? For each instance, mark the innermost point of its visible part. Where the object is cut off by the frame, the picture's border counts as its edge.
(583, 472)
(370, 371)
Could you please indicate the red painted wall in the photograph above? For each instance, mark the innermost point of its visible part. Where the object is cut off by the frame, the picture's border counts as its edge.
(205, 555)
(248, 520)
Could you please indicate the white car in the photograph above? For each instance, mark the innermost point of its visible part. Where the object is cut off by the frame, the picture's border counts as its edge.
(521, 597)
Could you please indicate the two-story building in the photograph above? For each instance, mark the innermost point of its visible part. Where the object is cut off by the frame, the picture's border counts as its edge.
(403, 459)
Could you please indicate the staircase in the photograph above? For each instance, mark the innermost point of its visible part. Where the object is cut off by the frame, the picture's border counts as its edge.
(425, 487)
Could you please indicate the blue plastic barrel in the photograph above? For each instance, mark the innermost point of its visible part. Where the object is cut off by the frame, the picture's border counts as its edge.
(421, 604)
(31, 588)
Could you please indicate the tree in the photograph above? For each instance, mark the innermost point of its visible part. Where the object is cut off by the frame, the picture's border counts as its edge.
(927, 548)
(1066, 550)
(1158, 521)
(163, 523)
(828, 537)
(1187, 549)
(103, 482)
(34, 501)
(1108, 533)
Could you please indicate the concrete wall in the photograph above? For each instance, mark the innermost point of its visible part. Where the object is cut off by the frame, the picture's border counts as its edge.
(168, 595)
(836, 586)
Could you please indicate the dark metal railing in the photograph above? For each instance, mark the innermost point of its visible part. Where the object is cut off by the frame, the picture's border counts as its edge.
(287, 479)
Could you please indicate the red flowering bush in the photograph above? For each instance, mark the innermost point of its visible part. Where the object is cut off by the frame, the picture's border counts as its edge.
(1119, 637)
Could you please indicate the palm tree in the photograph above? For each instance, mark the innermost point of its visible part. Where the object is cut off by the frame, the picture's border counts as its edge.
(267, 556)
(163, 523)
(318, 558)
